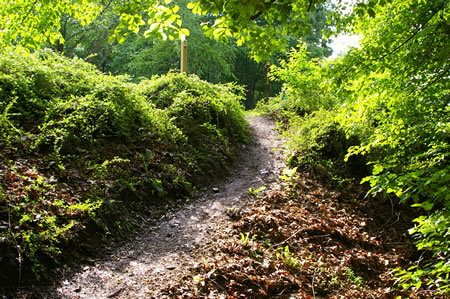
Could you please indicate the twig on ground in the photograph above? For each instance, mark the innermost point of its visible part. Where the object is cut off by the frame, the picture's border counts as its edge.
(312, 285)
(293, 235)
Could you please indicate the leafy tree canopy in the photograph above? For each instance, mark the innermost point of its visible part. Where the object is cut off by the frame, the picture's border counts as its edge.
(31, 23)
(265, 25)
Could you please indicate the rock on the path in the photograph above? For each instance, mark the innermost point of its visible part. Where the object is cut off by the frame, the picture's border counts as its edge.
(265, 171)
(215, 190)
(116, 293)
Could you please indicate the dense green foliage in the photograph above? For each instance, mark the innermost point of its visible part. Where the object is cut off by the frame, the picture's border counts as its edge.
(318, 144)
(401, 112)
(262, 24)
(303, 89)
(139, 56)
(392, 103)
(79, 147)
(210, 125)
(266, 26)
(307, 108)
(31, 23)
(82, 28)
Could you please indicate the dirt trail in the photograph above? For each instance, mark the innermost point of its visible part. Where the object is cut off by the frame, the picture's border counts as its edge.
(144, 266)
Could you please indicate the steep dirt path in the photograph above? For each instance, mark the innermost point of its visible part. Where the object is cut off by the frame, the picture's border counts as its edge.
(162, 253)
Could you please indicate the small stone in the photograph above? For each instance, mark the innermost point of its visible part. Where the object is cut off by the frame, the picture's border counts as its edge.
(171, 267)
(215, 190)
(53, 180)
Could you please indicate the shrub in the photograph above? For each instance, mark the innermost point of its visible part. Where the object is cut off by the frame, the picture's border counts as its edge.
(317, 143)
(303, 84)
(210, 116)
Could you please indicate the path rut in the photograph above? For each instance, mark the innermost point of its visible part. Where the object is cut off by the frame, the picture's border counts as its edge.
(163, 252)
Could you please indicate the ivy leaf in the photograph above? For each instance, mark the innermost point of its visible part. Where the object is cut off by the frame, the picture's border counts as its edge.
(427, 206)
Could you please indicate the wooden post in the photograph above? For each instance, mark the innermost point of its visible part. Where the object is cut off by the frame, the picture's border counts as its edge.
(183, 63)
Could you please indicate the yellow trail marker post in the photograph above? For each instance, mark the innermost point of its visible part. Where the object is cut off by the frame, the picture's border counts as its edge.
(183, 62)
(267, 90)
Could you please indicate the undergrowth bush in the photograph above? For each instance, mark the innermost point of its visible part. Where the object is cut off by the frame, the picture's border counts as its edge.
(80, 148)
(162, 90)
(304, 89)
(208, 115)
(318, 144)
(216, 104)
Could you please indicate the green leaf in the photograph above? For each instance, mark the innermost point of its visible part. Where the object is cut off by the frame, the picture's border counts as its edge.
(219, 32)
(121, 38)
(377, 169)
(184, 32)
(427, 206)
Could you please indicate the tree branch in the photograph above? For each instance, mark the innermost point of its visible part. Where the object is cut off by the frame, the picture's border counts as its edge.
(31, 8)
(421, 27)
(310, 5)
(259, 13)
(411, 37)
(83, 35)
